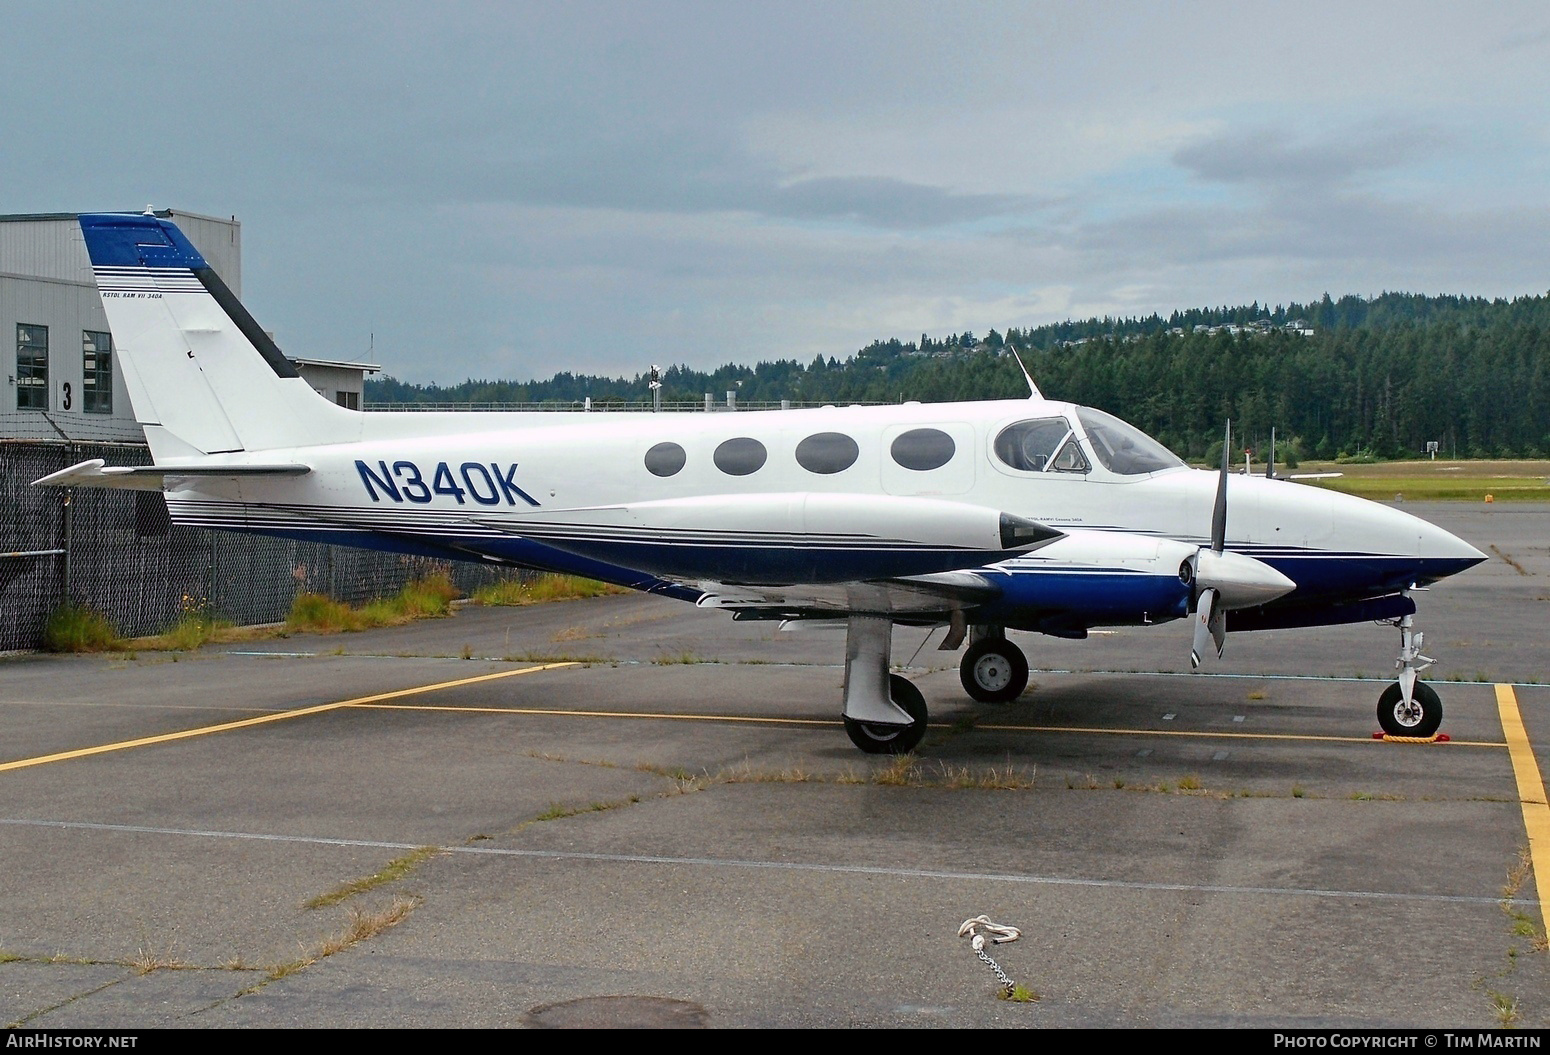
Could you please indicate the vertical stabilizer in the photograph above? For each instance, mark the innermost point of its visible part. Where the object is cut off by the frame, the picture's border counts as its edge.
(203, 377)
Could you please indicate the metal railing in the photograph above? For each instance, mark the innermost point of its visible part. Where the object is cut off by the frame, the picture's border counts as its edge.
(603, 406)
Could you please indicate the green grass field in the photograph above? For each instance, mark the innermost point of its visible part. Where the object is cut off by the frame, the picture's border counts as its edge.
(1439, 481)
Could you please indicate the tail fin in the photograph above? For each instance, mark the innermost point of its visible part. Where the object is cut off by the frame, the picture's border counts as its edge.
(202, 376)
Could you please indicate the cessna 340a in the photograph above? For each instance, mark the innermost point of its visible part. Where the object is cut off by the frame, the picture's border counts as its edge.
(1030, 514)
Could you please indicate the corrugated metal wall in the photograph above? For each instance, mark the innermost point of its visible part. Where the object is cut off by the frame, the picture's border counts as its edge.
(46, 280)
(50, 246)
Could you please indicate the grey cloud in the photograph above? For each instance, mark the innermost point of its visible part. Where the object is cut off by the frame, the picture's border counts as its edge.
(1276, 157)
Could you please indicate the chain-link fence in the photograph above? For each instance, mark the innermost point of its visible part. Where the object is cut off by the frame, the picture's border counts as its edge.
(117, 552)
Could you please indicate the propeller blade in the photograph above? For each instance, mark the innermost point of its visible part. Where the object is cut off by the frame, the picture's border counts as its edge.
(1219, 514)
(1270, 466)
(1205, 615)
(1218, 625)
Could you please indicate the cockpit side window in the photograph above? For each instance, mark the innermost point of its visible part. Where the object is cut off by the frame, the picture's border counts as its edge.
(1029, 445)
(1122, 448)
(1070, 459)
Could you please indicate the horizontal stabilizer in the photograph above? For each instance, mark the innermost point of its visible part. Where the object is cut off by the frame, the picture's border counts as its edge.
(97, 473)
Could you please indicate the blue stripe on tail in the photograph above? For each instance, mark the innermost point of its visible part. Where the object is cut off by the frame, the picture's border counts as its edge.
(137, 240)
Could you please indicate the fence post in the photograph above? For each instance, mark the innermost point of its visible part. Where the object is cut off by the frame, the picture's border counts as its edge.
(66, 527)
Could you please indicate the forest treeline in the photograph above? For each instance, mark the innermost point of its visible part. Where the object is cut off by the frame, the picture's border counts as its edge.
(1353, 376)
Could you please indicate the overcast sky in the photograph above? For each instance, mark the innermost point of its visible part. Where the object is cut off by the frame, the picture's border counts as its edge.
(504, 190)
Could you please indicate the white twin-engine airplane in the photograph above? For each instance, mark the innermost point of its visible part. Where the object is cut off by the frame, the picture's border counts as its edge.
(1031, 514)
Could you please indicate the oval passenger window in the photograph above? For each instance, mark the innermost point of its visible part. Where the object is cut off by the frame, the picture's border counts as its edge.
(923, 449)
(665, 459)
(740, 456)
(827, 452)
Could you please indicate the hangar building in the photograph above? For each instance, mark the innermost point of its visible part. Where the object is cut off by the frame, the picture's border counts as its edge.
(63, 381)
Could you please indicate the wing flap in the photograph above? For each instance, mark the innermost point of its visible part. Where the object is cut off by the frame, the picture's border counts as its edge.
(936, 594)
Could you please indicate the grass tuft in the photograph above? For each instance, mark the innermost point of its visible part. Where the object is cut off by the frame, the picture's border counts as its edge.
(546, 586)
(1506, 1007)
(78, 628)
(1019, 994)
(901, 771)
(192, 631)
(428, 598)
(395, 869)
(145, 962)
(365, 925)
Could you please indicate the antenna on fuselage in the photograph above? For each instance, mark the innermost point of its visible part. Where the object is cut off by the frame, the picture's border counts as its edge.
(1033, 389)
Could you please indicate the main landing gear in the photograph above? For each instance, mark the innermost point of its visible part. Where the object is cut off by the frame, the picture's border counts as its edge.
(1409, 707)
(993, 670)
(884, 713)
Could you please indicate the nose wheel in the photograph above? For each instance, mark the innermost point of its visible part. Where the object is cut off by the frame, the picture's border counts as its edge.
(993, 670)
(1419, 716)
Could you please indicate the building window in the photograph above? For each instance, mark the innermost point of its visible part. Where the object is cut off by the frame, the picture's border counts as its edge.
(96, 372)
(31, 367)
(348, 400)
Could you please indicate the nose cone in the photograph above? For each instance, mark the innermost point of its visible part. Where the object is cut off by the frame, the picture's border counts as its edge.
(1434, 552)
(1442, 553)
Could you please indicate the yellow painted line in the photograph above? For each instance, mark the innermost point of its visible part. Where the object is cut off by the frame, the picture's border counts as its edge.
(146, 741)
(564, 713)
(1531, 789)
(1206, 734)
(569, 713)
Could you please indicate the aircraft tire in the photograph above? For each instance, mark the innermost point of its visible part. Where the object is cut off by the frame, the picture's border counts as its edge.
(893, 739)
(993, 670)
(1421, 719)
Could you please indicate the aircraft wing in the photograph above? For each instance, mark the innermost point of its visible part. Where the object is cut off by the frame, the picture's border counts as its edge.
(935, 594)
(781, 540)
(97, 473)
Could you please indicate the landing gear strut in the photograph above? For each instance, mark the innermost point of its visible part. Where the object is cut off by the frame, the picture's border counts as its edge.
(884, 713)
(1409, 707)
(993, 670)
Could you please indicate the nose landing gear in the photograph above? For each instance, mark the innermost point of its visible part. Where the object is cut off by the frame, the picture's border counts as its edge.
(1410, 707)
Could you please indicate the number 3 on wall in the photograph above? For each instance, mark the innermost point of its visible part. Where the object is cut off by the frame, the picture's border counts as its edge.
(67, 396)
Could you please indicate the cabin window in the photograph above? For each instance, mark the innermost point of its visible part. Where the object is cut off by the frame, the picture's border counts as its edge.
(665, 459)
(1122, 448)
(923, 449)
(1029, 445)
(740, 456)
(827, 453)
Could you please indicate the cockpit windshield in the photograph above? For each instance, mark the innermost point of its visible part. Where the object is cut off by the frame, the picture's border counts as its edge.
(1122, 448)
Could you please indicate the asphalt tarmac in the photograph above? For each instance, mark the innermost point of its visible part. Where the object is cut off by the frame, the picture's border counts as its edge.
(626, 811)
